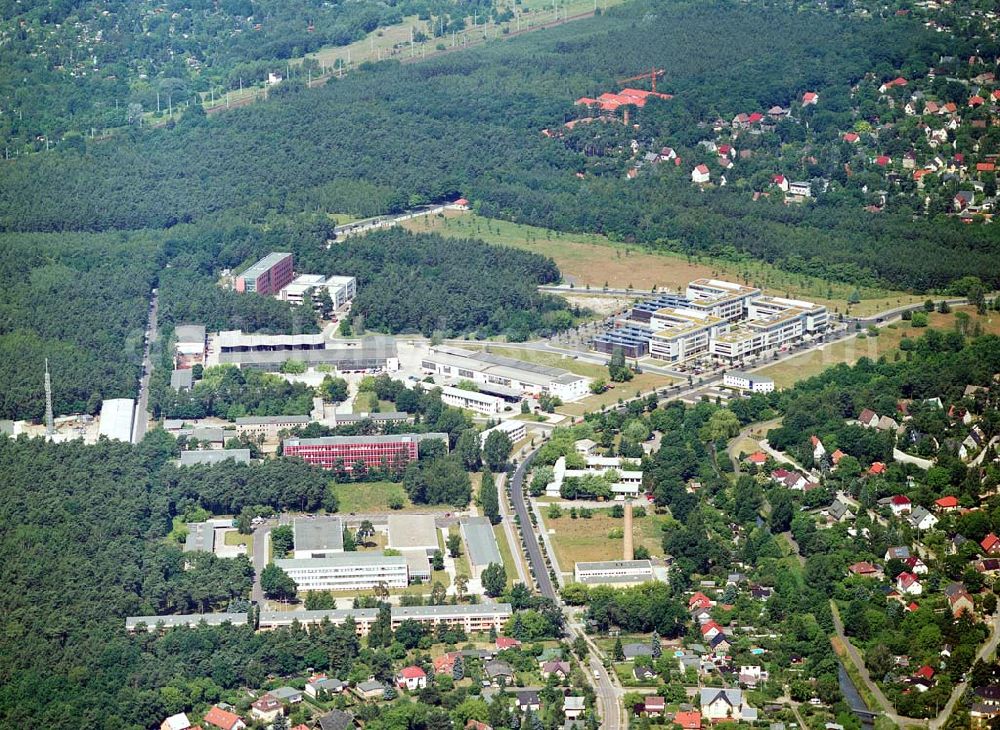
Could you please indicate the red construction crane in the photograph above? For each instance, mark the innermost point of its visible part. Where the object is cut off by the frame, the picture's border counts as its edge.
(653, 73)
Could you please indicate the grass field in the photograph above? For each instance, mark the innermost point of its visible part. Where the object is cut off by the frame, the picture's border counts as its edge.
(372, 497)
(552, 359)
(509, 563)
(849, 351)
(232, 538)
(587, 539)
(644, 382)
(365, 402)
(595, 261)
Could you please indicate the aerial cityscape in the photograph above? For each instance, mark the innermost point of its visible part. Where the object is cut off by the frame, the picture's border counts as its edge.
(532, 365)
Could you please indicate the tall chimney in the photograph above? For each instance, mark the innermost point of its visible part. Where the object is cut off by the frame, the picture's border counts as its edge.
(629, 549)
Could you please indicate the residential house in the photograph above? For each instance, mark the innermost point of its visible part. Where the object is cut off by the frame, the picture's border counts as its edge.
(411, 678)
(370, 689)
(836, 456)
(176, 722)
(266, 709)
(865, 569)
(654, 706)
(499, 673)
(752, 675)
(819, 451)
(946, 504)
(991, 544)
(336, 720)
(810, 98)
(573, 707)
(558, 668)
(851, 137)
(700, 175)
(688, 720)
(317, 686)
(725, 704)
(838, 512)
(876, 469)
(908, 584)
(476, 725)
(445, 664)
(885, 423)
(915, 565)
(709, 631)
(699, 600)
(287, 695)
(224, 719)
(720, 644)
(505, 642)
(921, 519)
(527, 699)
(868, 418)
(634, 650)
(897, 553)
(644, 674)
(781, 181)
(900, 504)
(961, 602)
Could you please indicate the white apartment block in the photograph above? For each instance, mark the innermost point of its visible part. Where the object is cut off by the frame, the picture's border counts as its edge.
(723, 299)
(472, 400)
(680, 334)
(347, 572)
(470, 618)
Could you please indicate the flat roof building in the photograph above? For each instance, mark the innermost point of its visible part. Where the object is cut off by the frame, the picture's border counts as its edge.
(116, 419)
(182, 379)
(268, 427)
(393, 451)
(644, 310)
(151, 623)
(614, 572)
(723, 299)
(268, 275)
(748, 381)
(346, 572)
(413, 532)
(214, 456)
(515, 430)
(270, 352)
(200, 537)
(485, 367)
(472, 400)
(342, 289)
(680, 334)
(470, 618)
(363, 618)
(318, 537)
(480, 543)
(633, 340)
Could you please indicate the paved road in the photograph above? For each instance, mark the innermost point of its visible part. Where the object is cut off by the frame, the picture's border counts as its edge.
(507, 520)
(142, 415)
(535, 558)
(261, 542)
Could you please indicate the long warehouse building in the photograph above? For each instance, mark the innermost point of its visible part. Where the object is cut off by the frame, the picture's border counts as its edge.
(486, 369)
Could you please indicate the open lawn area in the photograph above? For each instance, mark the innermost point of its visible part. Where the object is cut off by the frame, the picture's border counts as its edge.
(589, 260)
(367, 497)
(508, 557)
(585, 540)
(849, 351)
(232, 537)
(644, 383)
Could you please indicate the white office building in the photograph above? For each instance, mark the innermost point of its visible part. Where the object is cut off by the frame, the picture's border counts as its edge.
(748, 382)
(472, 400)
(680, 334)
(342, 289)
(814, 316)
(723, 299)
(347, 572)
(614, 572)
(515, 430)
(506, 374)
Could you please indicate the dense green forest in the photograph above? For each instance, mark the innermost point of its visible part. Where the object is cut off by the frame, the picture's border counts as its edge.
(84, 64)
(79, 300)
(481, 137)
(424, 283)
